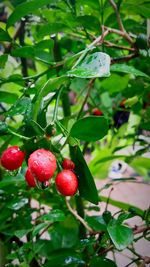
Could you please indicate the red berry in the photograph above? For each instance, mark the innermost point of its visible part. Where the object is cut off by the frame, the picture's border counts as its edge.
(12, 158)
(122, 104)
(97, 112)
(68, 164)
(30, 178)
(42, 164)
(67, 183)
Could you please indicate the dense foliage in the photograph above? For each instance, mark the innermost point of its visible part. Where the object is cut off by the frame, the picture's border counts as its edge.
(74, 80)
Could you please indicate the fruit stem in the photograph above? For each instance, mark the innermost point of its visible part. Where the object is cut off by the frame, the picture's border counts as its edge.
(18, 135)
(77, 216)
(57, 105)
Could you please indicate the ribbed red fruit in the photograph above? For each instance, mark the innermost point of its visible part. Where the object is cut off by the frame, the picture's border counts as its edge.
(42, 164)
(12, 158)
(68, 164)
(66, 183)
(30, 178)
(97, 112)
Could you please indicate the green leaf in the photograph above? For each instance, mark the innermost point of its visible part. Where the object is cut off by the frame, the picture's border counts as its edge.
(97, 223)
(128, 69)
(25, 9)
(20, 107)
(3, 60)
(25, 51)
(15, 78)
(53, 216)
(87, 186)
(101, 262)
(4, 36)
(120, 235)
(3, 128)
(18, 204)
(90, 128)
(66, 258)
(21, 233)
(7, 97)
(115, 83)
(38, 228)
(35, 51)
(92, 66)
(53, 84)
(65, 234)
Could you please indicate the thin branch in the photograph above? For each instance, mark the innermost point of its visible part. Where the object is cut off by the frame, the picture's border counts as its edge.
(121, 27)
(110, 44)
(86, 97)
(124, 58)
(79, 218)
(106, 250)
(45, 229)
(121, 33)
(113, 4)
(135, 260)
(140, 229)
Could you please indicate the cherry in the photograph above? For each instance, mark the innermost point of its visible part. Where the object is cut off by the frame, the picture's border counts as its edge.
(42, 164)
(97, 112)
(12, 158)
(30, 179)
(68, 164)
(66, 183)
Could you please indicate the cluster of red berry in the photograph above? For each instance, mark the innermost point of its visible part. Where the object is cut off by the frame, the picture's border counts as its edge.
(41, 168)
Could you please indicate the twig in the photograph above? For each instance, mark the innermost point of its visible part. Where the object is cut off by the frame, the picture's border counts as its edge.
(124, 58)
(45, 229)
(140, 229)
(76, 215)
(106, 250)
(86, 97)
(113, 4)
(121, 27)
(121, 33)
(110, 44)
(132, 262)
(107, 203)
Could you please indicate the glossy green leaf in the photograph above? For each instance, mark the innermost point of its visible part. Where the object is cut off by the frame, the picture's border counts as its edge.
(18, 204)
(87, 187)
(90, 128)
(120, 235)
(4, 36)
(15, 78)
(53, 216)
(38, 228)
(20, 107)
(21, 233)
(53, 84)
(92, 66)
(102, 262)
(65, 234)
(66, 258)
(35, 51)
(128, 69)
(7, 97)
(3, 60)
(115, 83)
(25, 9)
(97, 223)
